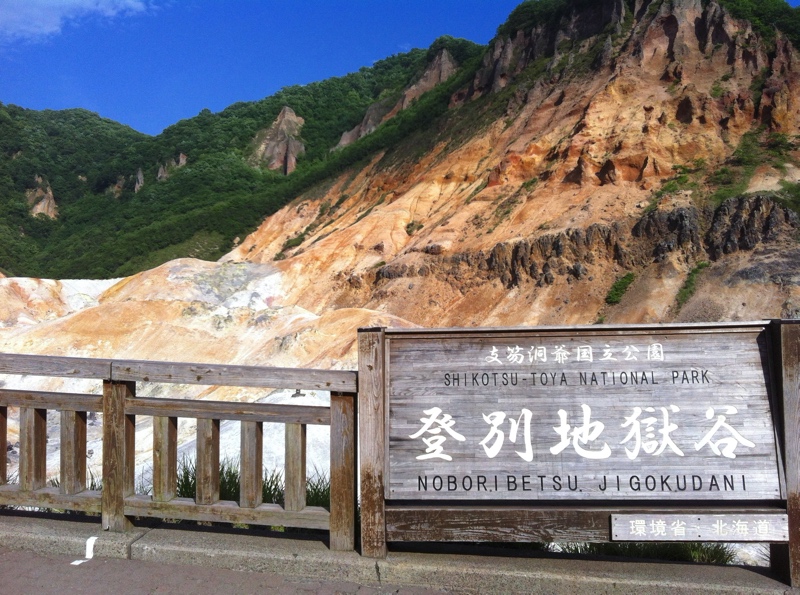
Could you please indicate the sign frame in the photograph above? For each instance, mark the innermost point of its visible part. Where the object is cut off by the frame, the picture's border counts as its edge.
(385, 519)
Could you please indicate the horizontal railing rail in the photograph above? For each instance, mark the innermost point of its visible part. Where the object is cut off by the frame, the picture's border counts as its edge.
(119, 404)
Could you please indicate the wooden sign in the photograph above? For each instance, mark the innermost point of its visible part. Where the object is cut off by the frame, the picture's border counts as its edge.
(760, 528)
(646, 413)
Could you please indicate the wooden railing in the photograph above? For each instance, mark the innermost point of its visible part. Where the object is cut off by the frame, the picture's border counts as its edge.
(117, 501)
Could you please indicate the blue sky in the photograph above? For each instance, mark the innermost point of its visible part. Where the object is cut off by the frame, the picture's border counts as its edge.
(150, 63)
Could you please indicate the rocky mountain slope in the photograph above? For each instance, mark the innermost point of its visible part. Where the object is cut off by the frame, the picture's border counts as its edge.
(599, 161)
(652, 139)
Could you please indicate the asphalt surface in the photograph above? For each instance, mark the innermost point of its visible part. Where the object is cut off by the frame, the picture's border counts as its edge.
(29, 573)
(52, 555)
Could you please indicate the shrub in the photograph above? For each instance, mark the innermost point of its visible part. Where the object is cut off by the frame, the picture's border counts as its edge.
(690, 285)
(413, 227)
(619, 288)
(705, 553)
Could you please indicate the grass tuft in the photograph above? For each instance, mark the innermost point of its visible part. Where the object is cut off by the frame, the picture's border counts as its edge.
(690, 285)
(619, 288)
(705, 553)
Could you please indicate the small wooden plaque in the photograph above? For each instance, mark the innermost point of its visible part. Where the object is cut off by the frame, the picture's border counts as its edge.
(700, 527)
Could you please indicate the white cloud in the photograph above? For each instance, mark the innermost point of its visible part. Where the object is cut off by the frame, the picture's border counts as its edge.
(31, 19)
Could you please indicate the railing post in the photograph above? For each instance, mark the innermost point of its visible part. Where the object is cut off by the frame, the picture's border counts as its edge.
(165, 458)
(3, 441)
(73, 452)
(786, 559)
(207, 461)
(33, 448)
(251, 471)
(343, 471)
(118, 453)
(372, 441)
(295, 468)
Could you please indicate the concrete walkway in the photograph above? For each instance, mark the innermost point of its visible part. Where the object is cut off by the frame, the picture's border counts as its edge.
(40, 555)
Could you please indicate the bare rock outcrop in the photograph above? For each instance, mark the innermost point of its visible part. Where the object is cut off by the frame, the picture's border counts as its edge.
(372, 119)
(278, 146)
(745, 222)
(41, 200)
(166, 169)
(139, 180)
(438, 71)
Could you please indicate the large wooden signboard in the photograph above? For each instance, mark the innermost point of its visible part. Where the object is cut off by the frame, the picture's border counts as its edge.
(629, 433)
(653, 414)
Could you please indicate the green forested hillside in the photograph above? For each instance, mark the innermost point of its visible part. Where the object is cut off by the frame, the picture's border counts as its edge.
(203, 205)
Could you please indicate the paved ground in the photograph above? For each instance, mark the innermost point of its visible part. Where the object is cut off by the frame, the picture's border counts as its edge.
(29, 573)
(42, 556)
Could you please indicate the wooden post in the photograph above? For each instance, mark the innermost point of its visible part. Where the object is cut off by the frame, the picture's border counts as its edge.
(3, 441)
(207, 461)
(165, 458)
(33, 448)
(343, 472)
(73, 452)
(251, 471)
(295, 468)
(372, 441)
(117, 454)
(786, 559)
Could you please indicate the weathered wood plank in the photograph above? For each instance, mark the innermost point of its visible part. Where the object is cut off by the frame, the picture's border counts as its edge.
(3, 442)
(217, 374)
(48, 365)
(130, 454)
(343, 466)
(252, 469)
(312, 517)
(534, 416)
(600, 329)
(207, 461)
(115, 457)
(518, 524)
(274, 413)
(496, 524)
(165, 458)
(85, 501)
(33, 448)
(51, 400)
(73, 452)
(295, 467)
(790, 359)
(372, 441)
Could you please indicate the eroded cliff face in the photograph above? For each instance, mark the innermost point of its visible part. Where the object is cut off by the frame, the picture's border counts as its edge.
(437, 72)
(531, 220)
(278, 146)
(41, 200)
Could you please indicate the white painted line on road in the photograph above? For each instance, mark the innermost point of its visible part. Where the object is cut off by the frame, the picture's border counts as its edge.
(89, 551)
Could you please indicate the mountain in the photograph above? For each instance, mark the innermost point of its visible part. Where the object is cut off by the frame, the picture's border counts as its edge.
(600, 161)
(128, 202)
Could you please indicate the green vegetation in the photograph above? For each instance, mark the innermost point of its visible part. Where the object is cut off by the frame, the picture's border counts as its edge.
(766, 16)
(704, 553)
(318, 486)
(690, 285)
(549, 13)
(755, 148)
(619, 288)
(789, 196)
(413, 227)
(217, 195)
